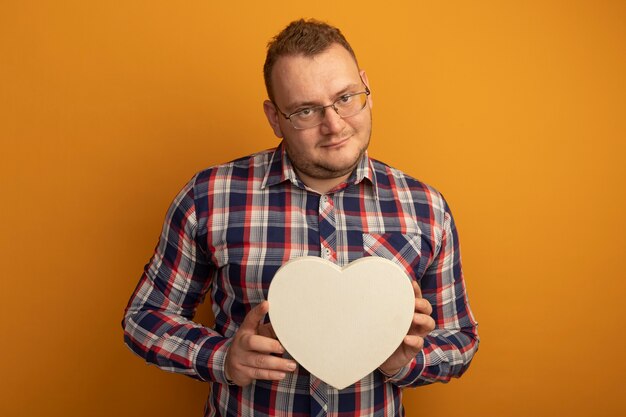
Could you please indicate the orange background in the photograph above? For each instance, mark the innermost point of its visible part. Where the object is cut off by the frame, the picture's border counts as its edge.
(516, 112)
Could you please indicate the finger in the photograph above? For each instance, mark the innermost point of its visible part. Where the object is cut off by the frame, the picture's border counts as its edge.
(269, 362)
(423, 306)
(258, 343)
(416, 290)
(267, 374)
(413, 343)
(267, 330)
(254, 317)
(422, 325)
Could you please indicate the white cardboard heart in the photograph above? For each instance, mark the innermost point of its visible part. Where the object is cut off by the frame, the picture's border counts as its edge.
(341, 323)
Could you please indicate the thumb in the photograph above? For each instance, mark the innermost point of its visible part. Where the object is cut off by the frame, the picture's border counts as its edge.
(253, 319)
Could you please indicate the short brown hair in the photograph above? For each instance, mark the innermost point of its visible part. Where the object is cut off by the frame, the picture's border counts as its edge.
(306, 37)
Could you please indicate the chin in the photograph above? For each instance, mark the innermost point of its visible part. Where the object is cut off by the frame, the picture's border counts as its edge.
(342, 165)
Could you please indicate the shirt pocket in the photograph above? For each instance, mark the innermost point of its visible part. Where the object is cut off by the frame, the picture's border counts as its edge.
(403, 249)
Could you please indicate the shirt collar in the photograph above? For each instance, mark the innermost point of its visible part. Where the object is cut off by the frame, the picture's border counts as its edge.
(280, 169)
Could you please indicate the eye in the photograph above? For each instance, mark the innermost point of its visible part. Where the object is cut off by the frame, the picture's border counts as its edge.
(305, 113)
(345, 99)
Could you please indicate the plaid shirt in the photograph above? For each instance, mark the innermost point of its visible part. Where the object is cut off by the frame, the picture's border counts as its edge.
(229, 230)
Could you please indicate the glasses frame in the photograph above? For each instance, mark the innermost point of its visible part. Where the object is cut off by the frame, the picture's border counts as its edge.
(367, 92)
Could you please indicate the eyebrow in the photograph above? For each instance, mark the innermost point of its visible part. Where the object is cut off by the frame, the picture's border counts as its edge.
(302, 104)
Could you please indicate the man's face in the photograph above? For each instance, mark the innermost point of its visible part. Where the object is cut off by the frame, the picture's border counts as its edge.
(332, 149)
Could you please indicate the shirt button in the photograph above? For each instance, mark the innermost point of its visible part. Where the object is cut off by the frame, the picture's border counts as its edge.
(325, 407)
(325, 199)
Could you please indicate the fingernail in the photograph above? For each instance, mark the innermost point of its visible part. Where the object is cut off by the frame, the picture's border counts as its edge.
(291, 366)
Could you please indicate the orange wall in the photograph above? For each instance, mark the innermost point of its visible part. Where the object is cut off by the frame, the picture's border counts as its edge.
(516, 112)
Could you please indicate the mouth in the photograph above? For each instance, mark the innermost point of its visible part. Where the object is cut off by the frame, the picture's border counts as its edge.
(336, 143)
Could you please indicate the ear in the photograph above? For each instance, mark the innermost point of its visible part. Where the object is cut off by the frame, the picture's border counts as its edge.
(272, 117)
(367, 83)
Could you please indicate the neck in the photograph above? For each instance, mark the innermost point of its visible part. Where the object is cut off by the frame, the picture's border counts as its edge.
(321, 185)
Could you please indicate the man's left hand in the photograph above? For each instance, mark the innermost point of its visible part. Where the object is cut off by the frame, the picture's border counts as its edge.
(413, 342)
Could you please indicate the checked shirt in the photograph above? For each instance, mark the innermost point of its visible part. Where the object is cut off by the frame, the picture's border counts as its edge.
(230, 229)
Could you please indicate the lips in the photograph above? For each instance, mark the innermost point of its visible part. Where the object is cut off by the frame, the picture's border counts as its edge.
(336, 143)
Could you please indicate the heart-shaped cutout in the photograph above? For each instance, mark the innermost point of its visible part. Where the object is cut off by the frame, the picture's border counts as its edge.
(341, 323)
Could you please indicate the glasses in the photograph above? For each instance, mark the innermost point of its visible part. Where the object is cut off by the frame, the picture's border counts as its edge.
(345, 106)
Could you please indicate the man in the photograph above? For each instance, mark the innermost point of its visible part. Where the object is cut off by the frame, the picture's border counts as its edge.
(317, 194)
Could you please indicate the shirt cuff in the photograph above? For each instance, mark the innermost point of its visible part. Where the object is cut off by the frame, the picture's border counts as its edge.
(409, 373)
(211, 360)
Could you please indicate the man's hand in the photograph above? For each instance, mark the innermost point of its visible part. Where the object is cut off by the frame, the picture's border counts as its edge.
(250, 356)
(413, 342)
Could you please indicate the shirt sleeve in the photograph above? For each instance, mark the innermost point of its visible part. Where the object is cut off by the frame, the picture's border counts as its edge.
(158, 320)
(449, 349)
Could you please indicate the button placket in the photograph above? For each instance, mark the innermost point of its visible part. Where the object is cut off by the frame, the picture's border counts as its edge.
(327, 228)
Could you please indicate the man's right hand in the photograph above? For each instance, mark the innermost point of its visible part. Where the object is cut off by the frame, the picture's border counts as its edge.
(250, 356)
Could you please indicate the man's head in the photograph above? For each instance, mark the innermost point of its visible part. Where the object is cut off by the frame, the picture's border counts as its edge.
(311, 72)
(301, 37)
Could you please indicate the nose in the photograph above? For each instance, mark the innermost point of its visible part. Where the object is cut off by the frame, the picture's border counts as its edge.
(332, 123)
